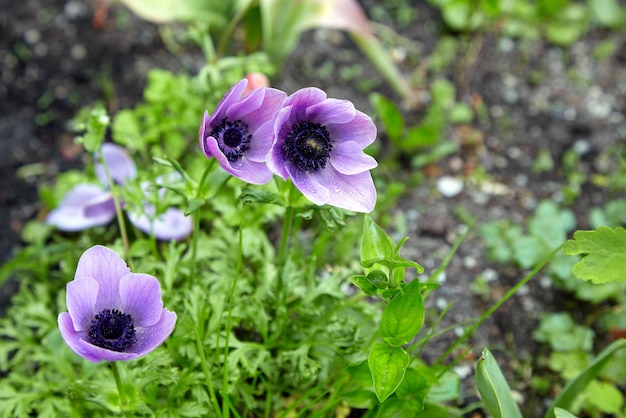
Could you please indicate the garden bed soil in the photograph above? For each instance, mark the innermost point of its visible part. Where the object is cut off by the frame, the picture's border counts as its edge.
(57, 56)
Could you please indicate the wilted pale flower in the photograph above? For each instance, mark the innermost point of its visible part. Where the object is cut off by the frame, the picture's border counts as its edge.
(113, 314)
(89, 205)
(319, 144)
(239, 134)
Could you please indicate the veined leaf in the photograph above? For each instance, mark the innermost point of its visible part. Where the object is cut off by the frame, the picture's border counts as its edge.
(388, 365)
(403, 317)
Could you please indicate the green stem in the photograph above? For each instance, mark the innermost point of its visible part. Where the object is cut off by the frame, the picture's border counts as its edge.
(229, 320)
(207, 374)
(228, 32)
(196, 217)
(118, 208)
(118, 383)
(495, 307)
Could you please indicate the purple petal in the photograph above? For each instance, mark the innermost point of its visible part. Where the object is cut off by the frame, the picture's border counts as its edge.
(141, 298)
(120, 165)
(244, 169)
(73, 338)
(331, 111)
(348, 158)
(276, 157)
(231, 97)
(107, 268)
(170, 225)
(312, 189)
(84, 206)
(355, 192)
(302, 99)
(202, 133)
(257, 108)
(361, 129)
(149, 338)
(81, 299)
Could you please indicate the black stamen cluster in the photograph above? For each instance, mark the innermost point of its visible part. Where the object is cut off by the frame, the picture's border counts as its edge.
(232, 138)
(308, 145)
(112, 330)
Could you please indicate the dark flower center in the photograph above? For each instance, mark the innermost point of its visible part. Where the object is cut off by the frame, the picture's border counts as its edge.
(232, 138)
(112, 330)
(308, 145)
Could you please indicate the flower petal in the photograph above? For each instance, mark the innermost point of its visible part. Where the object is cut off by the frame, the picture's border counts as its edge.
(310, 187)
(232, 96)
(73, 338)
(120, 165)
(107, 268)
(356, 192)
(73, 213)
(244, 169)
(202, 132)
(149, 338)
(276, 157)
(141, 298)
(81, 296)
(361, 129)
(331, 111)
(167, 226)
(348, 158)
(303, 99)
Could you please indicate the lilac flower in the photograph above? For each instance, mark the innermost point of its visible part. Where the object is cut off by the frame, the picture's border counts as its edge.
(240, 132)
(89, 205)
(319, 145)
(113, 314)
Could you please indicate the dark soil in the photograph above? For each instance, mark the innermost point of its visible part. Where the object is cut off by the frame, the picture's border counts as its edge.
(57, 56)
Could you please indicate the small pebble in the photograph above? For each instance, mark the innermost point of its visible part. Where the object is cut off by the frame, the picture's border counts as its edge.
(449, 186)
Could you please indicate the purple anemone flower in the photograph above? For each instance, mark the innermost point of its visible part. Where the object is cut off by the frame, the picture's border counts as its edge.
(113, 314)
(240, 132)
(319, 145)
(89, 205)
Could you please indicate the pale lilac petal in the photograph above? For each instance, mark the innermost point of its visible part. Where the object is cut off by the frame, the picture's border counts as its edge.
(258, 108)
(107, 268)
(74, 214)
(331, 111)
(170, 225)
(141, 298)
(97, 354)
(361, 129)
(356, 192)
(202, 134)
(81, 296)
(259, 149)
(310, 187)
(348, 158)
(73, 338)
(149, 338)
(121, 166)
(259, 173)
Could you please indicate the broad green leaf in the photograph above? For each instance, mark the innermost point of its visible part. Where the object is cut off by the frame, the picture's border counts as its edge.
(494, 389)
(413, 389)
(604, 254)
(388, 365)
(375, 242)
(568, 395)
(166, 11)
(562, 413)
(608, 13)
(605, 396)
(403, 317)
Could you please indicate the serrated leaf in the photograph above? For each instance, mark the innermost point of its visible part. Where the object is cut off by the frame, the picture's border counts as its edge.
(388, 365)
(494, 389)
(403, 317)
(604, 254)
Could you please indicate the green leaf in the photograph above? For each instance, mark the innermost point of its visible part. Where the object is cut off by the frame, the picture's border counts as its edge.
(403, 317)
(604, 254)
(389, 115)
(607, 13)
(605, 396)
(568, 395)
(375, 242)
(95, 126)
(494, 389)
(388, 365)
(562, 413)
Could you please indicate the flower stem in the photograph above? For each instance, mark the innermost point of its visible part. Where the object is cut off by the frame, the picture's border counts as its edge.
(196, 217)
(118, 383)
(118, 208)
(207, 374)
